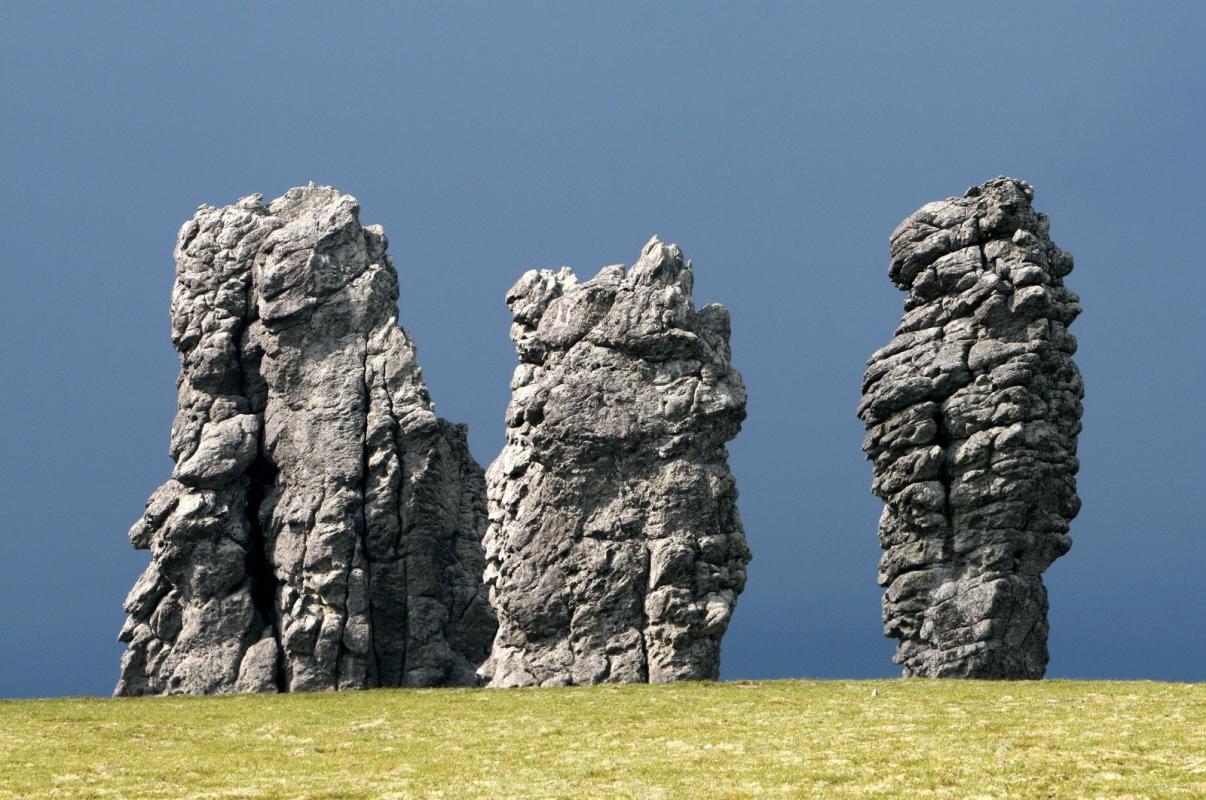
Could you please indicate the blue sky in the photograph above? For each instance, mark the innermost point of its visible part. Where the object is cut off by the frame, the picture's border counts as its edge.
(779, 144)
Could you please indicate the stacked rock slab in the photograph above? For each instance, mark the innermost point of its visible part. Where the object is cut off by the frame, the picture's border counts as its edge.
(322, 526)
(615, 552)
(973, 411)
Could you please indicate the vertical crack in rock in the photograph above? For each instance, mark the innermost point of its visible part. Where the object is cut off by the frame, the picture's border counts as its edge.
(972, 413)
(322, 527)
(615, 552)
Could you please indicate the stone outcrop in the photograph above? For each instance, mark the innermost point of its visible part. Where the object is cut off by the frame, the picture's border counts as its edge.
(322, 526)
(973, 411)
(615, 552)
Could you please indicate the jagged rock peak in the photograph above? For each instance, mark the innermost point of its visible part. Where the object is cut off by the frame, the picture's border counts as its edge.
(972, 412)
(322, 526)
(615, 552)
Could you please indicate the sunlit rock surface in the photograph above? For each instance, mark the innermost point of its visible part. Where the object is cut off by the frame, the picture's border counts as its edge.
(615, 552)
(322, 527)
(972, 411)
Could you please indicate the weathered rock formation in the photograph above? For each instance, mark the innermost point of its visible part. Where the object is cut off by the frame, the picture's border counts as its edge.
(615, 552)
(322, 526)
(973, 411)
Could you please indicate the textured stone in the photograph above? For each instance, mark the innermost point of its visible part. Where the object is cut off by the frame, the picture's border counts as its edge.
(972, 412)
(615, 552)
(322, 527)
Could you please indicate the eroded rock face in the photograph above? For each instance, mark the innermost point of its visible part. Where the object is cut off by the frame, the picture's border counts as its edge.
(973, 411)
(322, 527)
(615, 552)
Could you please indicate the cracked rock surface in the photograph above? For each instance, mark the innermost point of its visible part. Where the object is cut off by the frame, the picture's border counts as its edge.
(615, 552)
(322, 526)
(972, 412)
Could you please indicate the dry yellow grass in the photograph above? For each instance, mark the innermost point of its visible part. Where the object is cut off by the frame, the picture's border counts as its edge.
(825, 739)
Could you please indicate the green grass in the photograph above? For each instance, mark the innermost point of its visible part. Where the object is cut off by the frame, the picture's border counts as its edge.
(957, 739)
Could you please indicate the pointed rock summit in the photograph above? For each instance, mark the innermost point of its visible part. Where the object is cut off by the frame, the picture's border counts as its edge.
(615, 552)
(972, 412)
(322, 526)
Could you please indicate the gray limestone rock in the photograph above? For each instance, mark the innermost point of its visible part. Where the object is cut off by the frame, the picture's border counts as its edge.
(972, 412)
(322, 527)
(615, 552)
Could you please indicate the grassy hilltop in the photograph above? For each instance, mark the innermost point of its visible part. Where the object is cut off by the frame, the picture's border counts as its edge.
(827, 739)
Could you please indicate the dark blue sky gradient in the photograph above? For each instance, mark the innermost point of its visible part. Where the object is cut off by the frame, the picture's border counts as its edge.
(778, 144)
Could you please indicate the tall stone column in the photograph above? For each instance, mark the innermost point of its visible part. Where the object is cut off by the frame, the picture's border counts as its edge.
(322, 527)
(972, 412)
(615, 552)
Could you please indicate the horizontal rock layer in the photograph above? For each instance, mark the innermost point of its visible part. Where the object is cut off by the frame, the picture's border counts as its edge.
(972, 413)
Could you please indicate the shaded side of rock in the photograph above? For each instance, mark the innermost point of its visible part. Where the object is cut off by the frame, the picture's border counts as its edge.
(322, 529)
(973, 411)
(615, 551)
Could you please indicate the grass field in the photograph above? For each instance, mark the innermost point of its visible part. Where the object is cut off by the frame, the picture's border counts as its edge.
(726, 740)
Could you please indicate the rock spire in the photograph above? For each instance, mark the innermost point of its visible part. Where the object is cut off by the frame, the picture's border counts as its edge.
(972, 412)
(322, 526)
(615, 552)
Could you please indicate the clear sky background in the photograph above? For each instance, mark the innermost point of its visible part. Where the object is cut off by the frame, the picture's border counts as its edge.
(779, 144)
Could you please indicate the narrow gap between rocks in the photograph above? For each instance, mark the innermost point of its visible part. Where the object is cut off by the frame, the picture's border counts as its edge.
(261, 478)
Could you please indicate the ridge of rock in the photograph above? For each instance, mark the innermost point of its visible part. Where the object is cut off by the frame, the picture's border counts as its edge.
(322, 526)
(615, 552)
(973, 412)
